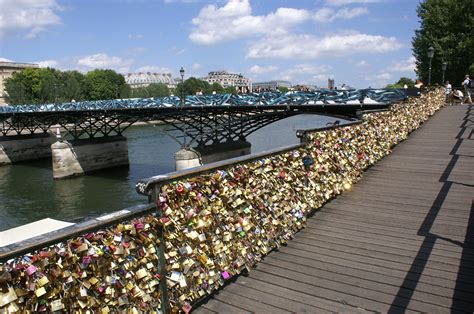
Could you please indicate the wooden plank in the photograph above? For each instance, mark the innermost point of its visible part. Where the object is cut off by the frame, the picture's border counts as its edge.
(217, 306)
(301, 297)
(436, 287)
(343, 236)
(380, 284)
(245, 303)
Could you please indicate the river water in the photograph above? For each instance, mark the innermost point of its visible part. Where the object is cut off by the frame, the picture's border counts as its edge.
(29, 193)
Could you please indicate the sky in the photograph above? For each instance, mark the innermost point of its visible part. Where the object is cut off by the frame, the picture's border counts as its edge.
(357, 42)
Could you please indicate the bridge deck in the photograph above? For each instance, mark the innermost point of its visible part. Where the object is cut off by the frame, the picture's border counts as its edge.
(403, 239)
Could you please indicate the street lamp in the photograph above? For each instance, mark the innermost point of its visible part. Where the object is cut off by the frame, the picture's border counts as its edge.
(443, 67)
(431, 51)
(181, 71)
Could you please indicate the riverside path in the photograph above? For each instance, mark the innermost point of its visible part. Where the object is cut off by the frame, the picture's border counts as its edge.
(401, 240)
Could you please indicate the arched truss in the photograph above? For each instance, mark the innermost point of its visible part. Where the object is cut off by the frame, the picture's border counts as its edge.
(189, 125)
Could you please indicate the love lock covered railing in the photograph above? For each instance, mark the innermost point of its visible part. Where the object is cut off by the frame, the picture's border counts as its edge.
(203, 226)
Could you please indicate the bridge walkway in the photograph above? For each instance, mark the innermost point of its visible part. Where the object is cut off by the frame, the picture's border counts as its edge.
(401, 240)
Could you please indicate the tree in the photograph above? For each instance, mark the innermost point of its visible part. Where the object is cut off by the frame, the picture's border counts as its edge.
(105, 84)
(152, 90)
(283, 89)
(191, 86)
(402, 82)
(34, 85)
(448, 26)
(73, 82)
(216, 87)
(48, 85)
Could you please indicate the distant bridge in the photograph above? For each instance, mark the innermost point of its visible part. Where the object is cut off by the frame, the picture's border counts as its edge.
(205, 119)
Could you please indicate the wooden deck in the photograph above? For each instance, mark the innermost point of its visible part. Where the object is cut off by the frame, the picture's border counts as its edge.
(401, 240)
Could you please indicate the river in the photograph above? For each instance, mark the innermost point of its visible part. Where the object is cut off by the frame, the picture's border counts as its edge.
(29, 193)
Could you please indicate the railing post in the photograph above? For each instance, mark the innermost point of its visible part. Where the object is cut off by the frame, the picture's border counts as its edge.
(163, 287)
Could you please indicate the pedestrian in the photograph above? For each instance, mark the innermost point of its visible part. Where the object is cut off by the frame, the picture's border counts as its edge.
(467, 89)
(448, 89)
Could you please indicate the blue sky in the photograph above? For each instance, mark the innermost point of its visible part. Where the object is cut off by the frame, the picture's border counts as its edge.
(358, 42)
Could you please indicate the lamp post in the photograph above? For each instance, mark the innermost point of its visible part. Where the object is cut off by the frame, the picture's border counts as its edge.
(181, 71)
(443, 67)
(431, 51)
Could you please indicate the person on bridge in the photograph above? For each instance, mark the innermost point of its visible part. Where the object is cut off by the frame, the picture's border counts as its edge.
(448, 89)
(467, 84)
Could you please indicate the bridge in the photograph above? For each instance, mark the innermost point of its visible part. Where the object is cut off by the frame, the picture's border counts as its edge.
(372, 216)
(209, 128)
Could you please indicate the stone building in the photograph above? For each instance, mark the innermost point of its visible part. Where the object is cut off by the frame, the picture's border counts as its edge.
(6, 71)
(270, 85)
(226, 79)
(142, 79)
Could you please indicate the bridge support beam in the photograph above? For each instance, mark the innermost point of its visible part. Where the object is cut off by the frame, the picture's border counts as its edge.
(192, 157)
(74, 158)
(24, 147)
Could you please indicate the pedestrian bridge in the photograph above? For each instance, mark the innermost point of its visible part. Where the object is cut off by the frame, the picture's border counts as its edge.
(89, 135)
(372, 216)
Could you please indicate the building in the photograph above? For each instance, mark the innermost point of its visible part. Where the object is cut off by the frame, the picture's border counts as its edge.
(226, 79)
(6, 71)
(331, 83)
(142, 79)
(270, 85)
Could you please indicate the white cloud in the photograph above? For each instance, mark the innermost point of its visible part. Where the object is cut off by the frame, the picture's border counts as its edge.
(307, 73)
(196, 66)
(321, 78)
(48, 64)
(181, 1)
(344, 2)
(33, 16)
(378, 80)
(235, 20)
(362, 63)
(408, 65)
(311, 47)
(153, 69)
(6, 60)
(135, 36)
(256, 69)
(326, 15)
(177, 50)
(104, 61)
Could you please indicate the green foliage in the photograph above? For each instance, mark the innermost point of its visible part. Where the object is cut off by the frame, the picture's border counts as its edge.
(47, 85)
(230, 90)
(283, 89)
(402, 82)
(105, 84)
(34, 85)
(448, 26)
(152, 90)
(193, 85)
(216, 87)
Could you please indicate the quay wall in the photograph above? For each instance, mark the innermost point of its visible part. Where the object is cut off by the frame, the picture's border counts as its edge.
(24, 147)
(209, 226)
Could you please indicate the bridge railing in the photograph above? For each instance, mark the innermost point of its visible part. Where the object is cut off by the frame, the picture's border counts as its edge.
(211, 222)
(359, 96)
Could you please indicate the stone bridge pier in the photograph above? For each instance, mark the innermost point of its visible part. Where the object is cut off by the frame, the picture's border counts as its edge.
(76, 157)
(192, 157)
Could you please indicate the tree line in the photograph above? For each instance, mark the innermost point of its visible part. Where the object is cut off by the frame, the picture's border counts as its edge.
(49, 85)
